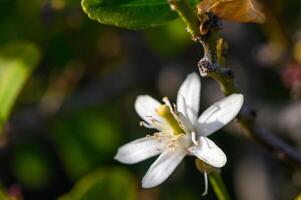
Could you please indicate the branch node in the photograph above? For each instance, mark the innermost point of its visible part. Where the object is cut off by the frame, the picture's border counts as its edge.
(172, 5)
(213, 22)
(208, 23)
(206, 66)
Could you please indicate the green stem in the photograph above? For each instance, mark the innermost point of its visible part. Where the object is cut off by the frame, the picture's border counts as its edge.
(218, 186)
(188, 15)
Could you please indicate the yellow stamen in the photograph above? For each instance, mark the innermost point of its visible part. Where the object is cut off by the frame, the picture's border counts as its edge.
(164, 112)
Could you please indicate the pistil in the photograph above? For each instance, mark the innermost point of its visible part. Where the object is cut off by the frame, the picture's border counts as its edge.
(165, 112)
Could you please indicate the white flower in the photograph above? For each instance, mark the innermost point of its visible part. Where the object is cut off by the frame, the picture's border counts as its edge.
(180, 132)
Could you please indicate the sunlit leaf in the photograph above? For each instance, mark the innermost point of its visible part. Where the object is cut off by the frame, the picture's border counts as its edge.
(131, 14)
(234, 10)
(17, 61)
(112, 184)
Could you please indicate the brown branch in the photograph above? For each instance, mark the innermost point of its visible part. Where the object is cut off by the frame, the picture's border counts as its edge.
(210, 66)
(279, 148)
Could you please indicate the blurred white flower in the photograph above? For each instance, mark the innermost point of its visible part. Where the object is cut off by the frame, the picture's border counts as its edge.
(180, 132)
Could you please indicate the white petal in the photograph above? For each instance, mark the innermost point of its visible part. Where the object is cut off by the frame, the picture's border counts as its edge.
(140, 149)
(185, 123)
(181, 105)
(162, 168)
(209, 152)
(146, 107)
(189, 92)
(219, 114)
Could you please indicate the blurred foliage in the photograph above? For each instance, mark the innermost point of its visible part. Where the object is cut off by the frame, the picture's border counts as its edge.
(31, 166)
(182, 193)
(17, 61)
(90, 137)
(4, 196)
(172, 34)
(298, 197)
(114, 184)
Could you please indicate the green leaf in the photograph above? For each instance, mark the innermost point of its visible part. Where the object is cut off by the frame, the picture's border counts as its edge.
(169, 40)
(90, 136)
(114, 184)
(31, 166)
(131, 14)
(2, 195)
(17, 61)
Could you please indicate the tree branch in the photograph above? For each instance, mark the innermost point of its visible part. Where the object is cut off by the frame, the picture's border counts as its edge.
(210, 66)
(225, 79)
(187, 14)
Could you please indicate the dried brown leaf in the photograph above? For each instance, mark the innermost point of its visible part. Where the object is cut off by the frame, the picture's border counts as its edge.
(234, 10)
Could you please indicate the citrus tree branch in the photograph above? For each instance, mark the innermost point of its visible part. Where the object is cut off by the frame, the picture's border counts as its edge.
(210, 66)
(225, 78)
(187, 14)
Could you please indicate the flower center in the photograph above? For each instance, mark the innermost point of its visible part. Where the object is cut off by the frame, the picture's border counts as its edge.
(165, 112)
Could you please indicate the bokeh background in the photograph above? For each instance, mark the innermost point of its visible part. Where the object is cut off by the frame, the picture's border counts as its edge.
(77, 106)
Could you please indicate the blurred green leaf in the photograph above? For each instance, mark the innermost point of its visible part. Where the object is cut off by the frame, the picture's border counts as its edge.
(112, 184)
(183, 193)
(77, 164)
(31, 167)
(90, 136)
(17, 61)
(168, 40)
(131, 14)
(2, 195)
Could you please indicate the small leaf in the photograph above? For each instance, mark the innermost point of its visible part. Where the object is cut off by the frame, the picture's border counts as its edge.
(113, 184)
(233, 10)
(17, 61)
(131, 14)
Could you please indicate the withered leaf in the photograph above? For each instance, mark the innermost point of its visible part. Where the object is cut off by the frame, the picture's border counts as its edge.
(233, 10)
